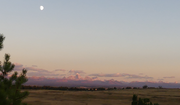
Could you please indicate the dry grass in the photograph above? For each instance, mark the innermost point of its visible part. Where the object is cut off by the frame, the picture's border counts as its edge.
(115, 97)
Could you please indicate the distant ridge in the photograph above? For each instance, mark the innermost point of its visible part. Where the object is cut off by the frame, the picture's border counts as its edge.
(96, 83)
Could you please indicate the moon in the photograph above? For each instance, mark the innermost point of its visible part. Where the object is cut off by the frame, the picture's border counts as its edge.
(41, 8)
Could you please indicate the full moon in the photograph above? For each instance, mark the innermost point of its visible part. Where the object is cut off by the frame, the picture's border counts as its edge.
(41, 8)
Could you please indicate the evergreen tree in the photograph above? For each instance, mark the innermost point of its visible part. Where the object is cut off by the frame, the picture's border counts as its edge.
(10, 87)
(145, 87)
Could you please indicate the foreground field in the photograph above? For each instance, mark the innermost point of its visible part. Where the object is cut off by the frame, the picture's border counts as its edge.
(114, 97)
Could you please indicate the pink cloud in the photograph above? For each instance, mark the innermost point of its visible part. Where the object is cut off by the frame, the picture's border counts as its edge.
(160, 79)
(18, 67)
(129, 76)
(95, 78)
(60, 70)
(106, 75)
(169, 77)
(34, 66)
(76, 71)
(34, 71)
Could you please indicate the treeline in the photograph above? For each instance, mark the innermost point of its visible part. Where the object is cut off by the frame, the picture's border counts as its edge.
(65, 88)
(80, 88)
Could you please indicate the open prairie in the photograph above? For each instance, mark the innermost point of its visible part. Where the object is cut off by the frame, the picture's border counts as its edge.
(113, 97)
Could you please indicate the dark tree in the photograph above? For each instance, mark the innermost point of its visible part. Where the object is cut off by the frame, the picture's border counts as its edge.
(145, 87)
(10, 93)
(160, 87)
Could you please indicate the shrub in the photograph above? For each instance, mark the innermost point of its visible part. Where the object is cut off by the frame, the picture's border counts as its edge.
(145, 101)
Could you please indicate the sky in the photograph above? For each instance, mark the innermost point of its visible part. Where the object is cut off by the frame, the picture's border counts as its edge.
(134, 40)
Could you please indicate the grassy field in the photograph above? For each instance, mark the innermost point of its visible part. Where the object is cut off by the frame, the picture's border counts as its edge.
(114, 97)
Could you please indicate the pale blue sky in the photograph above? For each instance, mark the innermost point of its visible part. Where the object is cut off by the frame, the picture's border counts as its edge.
(96, 36)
